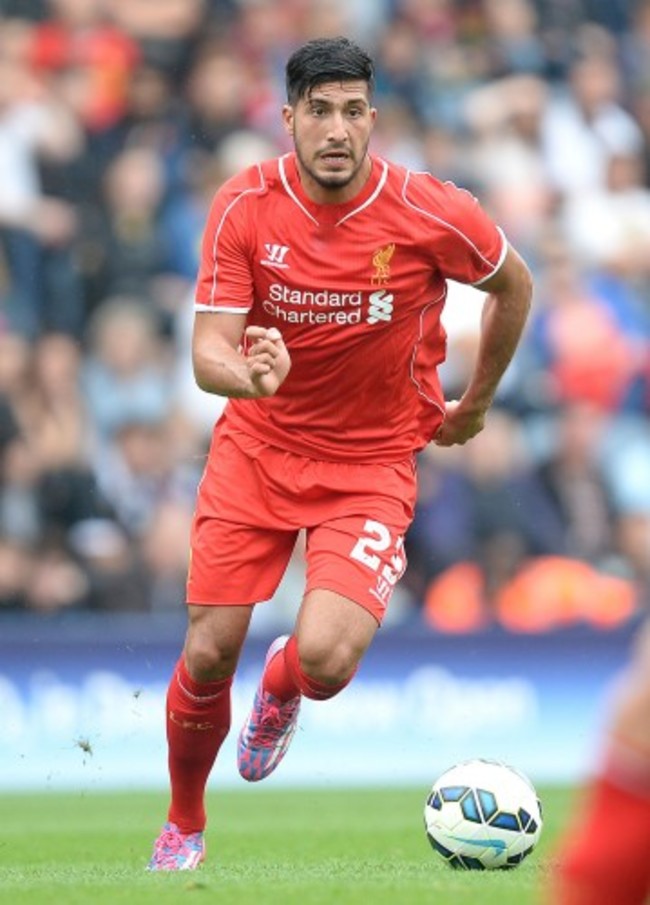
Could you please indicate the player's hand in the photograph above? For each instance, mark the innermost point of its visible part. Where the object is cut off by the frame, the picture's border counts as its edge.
(267, 359)
(460, 424)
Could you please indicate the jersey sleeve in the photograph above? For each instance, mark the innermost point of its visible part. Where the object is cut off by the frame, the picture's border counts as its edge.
(225, 281)
(465, 242)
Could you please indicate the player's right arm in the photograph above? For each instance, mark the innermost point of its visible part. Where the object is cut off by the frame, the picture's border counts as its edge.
(232, 360)
(229, 358)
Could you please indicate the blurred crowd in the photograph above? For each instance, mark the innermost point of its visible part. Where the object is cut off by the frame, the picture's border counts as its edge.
(120, 118)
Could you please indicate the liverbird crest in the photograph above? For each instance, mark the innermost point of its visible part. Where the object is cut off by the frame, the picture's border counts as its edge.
(381, 263)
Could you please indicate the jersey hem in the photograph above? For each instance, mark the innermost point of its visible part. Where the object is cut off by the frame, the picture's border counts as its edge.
(316, 454)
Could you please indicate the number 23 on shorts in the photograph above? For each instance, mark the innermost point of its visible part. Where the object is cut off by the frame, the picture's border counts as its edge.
(384, 556)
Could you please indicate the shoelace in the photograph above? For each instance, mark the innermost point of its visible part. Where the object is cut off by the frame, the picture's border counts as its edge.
(272, 723)
(169, 845)
(170, 842)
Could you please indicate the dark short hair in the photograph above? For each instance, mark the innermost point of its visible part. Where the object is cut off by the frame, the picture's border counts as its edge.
(326, 60)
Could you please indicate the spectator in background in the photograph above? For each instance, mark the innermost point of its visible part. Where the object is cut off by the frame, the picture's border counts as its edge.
(165, 554)
(47, 488)
(514, 44)
(608, 228)
(146, 452)
(581, 348)
(135, 257)
(40, 289)
(55, 582)
(401, 74)
(576, 505)
(138, 472)
(116, 580)
(80, 43)
(586, 123)
(166, 32)
(218, 92)
(475, 507)
(125, 378)
(153, 119)
(506, 156)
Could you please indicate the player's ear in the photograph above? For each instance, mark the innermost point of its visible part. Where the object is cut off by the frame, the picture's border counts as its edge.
(287, 118)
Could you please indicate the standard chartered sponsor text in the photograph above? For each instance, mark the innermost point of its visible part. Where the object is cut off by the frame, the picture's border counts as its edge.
(297, 306)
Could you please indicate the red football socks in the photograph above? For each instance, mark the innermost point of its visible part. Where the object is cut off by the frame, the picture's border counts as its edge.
(605, 861)
(284, 678)
(198, 720)
(277, 679)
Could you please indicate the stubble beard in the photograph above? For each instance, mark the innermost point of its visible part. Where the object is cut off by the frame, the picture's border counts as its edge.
(332, 181)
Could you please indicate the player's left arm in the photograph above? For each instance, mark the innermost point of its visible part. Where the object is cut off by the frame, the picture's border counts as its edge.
(505, 310)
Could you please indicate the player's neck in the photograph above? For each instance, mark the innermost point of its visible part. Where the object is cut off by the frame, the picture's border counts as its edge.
(321, 194)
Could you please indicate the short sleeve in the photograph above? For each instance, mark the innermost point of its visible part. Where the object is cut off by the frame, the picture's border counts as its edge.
(466, 244)
(225, 281)
(474, 247)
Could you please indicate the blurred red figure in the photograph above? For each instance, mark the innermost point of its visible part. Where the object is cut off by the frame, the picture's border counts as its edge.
(95, 57)
(604, 858)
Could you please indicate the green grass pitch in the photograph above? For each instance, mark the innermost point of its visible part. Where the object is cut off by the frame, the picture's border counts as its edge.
(264, 847)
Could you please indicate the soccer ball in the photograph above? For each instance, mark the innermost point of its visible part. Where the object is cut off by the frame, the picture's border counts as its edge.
(483, 815)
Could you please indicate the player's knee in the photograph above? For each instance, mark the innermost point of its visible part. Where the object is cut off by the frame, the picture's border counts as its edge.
(207, 659)
(333, 665)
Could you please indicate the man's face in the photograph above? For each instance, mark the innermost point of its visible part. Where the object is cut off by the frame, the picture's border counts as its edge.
(331, 129)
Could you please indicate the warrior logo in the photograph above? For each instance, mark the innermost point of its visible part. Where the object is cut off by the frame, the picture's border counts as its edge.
(381, 263)
(275, 255)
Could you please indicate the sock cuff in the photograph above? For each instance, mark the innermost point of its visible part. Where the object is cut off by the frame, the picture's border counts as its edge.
(310, 688)
(204, 692)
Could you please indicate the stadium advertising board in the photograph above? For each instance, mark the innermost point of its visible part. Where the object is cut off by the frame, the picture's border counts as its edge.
(83, 708)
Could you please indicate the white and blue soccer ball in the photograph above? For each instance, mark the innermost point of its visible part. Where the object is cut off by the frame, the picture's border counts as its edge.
(483, 815)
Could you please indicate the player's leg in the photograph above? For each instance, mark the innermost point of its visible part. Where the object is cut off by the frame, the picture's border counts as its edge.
(198, 706)
(231, 535)
(353, 565)
(604, 858)
(354, 552)
(317, 661)
(197, 722)
(331, 636)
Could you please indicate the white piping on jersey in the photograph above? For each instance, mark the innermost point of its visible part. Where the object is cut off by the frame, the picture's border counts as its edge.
(294, 197)
(290, 192)
(502, 257)
(220, 309)
(416, 346)
(459, 232)
(219, 228)
(368, 201)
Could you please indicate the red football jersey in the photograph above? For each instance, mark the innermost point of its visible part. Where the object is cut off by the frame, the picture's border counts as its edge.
(356, 290)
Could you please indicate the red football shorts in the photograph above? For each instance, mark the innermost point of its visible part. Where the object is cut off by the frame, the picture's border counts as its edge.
(253, 500)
